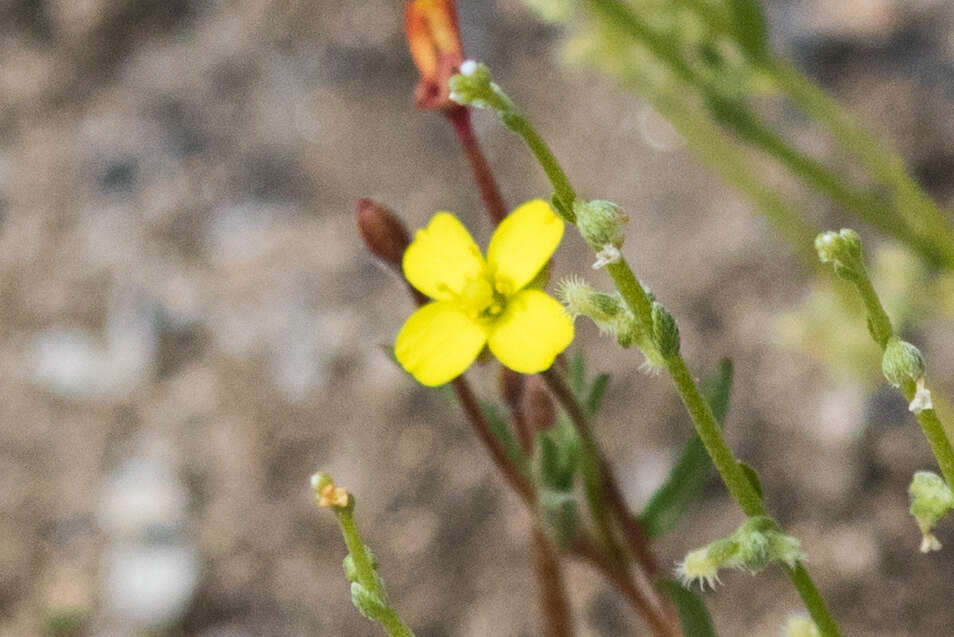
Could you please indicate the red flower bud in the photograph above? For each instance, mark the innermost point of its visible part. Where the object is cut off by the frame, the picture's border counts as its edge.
(434, 39)
(383, 233)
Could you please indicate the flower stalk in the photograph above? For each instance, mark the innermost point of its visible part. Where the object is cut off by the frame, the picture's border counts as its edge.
(476, 88)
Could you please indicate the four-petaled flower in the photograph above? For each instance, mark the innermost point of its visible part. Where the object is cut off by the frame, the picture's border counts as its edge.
(479, 301)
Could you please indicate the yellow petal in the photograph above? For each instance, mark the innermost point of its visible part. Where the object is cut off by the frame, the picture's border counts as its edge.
(523, 243)
(438, 342)
(532, 330)
(442, 258)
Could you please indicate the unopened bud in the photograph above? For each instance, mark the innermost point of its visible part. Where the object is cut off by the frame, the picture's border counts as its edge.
(473, 87)
(368, 602)
(328, 495)
(382, 231)
(600, 222)
(753, 546)
(931, 499)
(665, 332)
(843, 250)
(434, 39)
(901, 362)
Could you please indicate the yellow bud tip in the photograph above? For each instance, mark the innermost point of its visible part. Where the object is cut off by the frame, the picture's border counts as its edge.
(327, 494)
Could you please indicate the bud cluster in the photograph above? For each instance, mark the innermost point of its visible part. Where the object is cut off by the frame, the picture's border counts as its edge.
(474, 87)
(753, 546)
(843, 250)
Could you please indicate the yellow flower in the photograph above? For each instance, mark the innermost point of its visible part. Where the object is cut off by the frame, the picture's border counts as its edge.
(479, 302)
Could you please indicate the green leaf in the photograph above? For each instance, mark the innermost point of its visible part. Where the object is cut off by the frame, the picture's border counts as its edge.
(692, 611)
(576, 373)
(752, 476)
(748, 24)
(560, 514)
(556, 458)
(691, 470)
(501, 430)
(595, 396)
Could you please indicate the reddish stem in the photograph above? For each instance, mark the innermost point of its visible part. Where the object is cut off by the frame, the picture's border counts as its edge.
(546, 565)
(489, 192)
(468, 402)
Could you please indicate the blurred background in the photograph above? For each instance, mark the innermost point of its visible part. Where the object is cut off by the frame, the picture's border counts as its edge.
(189, 324)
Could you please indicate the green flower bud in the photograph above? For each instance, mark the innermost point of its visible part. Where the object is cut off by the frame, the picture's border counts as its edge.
(368, 603)
(473, 87)
(606, 310)
(800, 626)
(752, 547)
(931, 498)
(600, 222)
(665, 332)
(351, 573)
(901, 362)
(843, 250)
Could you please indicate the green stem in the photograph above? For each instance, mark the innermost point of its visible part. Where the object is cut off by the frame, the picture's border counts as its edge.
(921, 212)
(878, 321)
(710, 433)
(937, 437)
(564, 192)
(738, 484)
(814, 603)
(867, 208)
(723, 155)
(364, 569)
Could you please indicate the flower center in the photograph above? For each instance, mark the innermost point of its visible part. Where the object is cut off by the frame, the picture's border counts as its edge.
(482, 299)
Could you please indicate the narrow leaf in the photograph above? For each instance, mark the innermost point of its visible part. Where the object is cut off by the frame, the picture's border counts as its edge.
(692, 611)
(691, 470)
(595, 397)
(503, 433)
(576, 373)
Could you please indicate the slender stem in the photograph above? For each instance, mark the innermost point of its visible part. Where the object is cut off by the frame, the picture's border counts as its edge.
(814, 603)
(937, 437)
(867, 208)
(364, 569)
(359, 555)
(884, 164)
(550, 586)
(741, 489)
(564, 192)
(754, 131)
(880, 324)
(489, 192)
(881, 330)
(519, 482)
(726, 157)
(618, 573)
(610, 498)
(707, 427)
